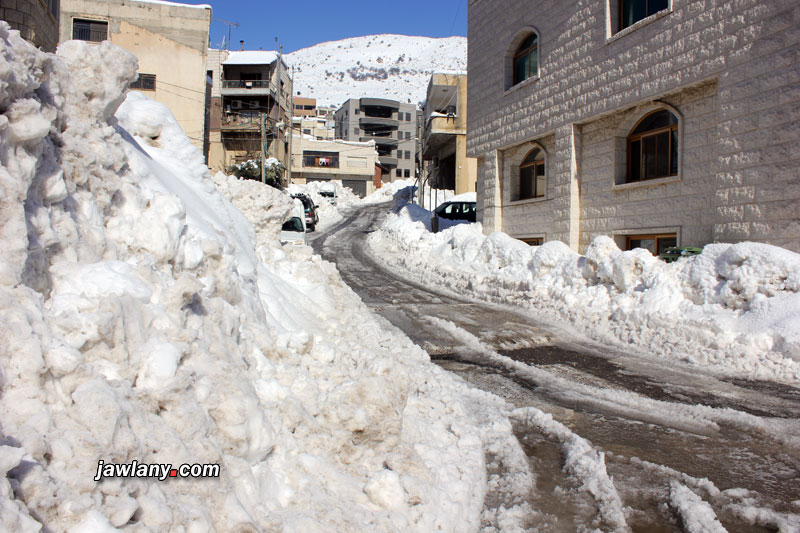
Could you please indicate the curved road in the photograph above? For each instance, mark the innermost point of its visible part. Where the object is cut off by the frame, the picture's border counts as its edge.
(655, 423)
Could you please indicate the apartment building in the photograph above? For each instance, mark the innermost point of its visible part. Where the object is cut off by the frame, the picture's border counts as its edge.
(170, 41)
(250, 106)
(354, 163)
(36, 20)
(391, 124)
(657, 122)
(444, 138)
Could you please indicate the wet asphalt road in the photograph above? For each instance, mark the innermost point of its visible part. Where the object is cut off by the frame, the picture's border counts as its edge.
(753, 442)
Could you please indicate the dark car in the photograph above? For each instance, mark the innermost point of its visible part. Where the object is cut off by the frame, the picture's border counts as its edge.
(311, 211)
(458, 210)
(673, 253)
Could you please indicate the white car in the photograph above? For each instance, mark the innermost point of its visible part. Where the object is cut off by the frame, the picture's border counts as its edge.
(328, 191)
(294, 230)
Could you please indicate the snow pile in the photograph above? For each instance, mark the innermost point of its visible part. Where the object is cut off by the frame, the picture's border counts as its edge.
(389, 191)
(734, 308)
(142, 323)
(397, 67)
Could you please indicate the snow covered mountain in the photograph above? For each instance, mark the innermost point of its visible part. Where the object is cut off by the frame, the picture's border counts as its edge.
(386, 66)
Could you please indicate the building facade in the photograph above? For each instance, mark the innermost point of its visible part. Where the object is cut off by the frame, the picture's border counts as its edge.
(170, 41)
(391, 124)
(251, 107)
(657, 122)
(444, 138)
(36, 20)
(354, 163)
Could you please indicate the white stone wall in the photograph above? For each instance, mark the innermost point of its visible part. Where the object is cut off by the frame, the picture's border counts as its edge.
(729, 69)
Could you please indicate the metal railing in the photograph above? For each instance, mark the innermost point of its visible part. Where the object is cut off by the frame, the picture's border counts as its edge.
(245, 84)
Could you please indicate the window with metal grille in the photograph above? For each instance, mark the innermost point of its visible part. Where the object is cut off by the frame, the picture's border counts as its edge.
(90, 30)
(146, 82)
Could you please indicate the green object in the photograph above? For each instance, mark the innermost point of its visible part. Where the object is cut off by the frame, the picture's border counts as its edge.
(673, 253)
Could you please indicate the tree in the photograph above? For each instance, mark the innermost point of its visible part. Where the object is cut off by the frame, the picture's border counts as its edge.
(251, 170)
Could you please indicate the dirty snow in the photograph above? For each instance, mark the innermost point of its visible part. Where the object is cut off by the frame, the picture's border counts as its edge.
(734, 309)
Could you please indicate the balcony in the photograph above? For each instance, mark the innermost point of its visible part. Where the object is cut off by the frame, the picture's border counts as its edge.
(379, 139)
(379, 121)
(312, 161)
(244, 121)
(246, 88)
(387, 160)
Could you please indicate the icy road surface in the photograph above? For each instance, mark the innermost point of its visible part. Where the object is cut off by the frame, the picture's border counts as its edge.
(683, 449)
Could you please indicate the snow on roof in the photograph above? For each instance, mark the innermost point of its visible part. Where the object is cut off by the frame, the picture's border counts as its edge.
(251, 57)
(201, 6)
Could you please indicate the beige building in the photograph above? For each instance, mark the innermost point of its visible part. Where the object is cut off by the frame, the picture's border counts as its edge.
(36, 20)
(250, 107)
(170, 41)
(657, 122)
(319, 128)
(354, 163)
(445, 135)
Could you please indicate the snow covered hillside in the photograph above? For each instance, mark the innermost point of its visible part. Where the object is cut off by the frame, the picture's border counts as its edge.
(146, 321)
(382, 66)
(734, 309)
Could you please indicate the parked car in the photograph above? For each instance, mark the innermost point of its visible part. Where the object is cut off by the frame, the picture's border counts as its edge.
(457, 210)
(328, 191)
(294, 230)
(673, 253)
(310, 209)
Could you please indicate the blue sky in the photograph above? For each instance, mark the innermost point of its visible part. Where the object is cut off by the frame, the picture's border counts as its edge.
(301, 24)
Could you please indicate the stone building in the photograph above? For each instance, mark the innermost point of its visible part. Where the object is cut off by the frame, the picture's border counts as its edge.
(444, 138)
(36, 20)
(170, 40)
(657, 122)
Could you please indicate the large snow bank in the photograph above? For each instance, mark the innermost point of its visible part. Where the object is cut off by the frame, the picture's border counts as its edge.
(735, 308)
(144, 320)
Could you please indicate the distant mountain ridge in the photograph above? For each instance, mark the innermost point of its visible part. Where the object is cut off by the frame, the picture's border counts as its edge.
(383, 66)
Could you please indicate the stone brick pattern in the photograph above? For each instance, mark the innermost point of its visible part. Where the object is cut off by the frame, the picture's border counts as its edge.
(34, 20)
(729, 69)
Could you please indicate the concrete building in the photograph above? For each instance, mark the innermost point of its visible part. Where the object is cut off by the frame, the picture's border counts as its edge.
(317, 127)
(391, 124)
(444, 140)
(170, 41)
(250, 103)
(354, 163)
(36, 20)
(657, 122)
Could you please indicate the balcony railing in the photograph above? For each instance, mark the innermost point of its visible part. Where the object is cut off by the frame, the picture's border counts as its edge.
(245, 84)
(246, 119)
(320, 161)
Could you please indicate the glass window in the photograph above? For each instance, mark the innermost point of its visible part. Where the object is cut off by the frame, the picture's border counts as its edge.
(632, 11)
(398, 172)
(655, 244)
(407, 173)
(408, 117)
(526, 59)
(653, 147)
(532, 175)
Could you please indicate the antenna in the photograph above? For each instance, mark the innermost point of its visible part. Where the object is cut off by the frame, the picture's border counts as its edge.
(230, 25)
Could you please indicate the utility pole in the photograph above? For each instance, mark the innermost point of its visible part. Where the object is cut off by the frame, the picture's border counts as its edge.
(263, 149)
(230, 24)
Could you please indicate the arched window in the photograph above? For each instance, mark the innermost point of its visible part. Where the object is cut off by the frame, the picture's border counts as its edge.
(653, 147)
(526, 59)
(531, 175)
